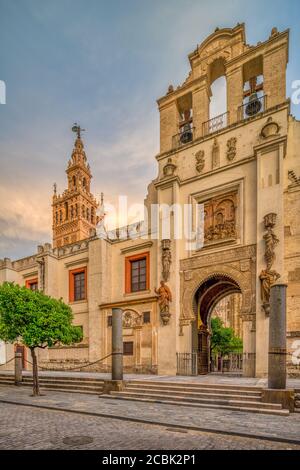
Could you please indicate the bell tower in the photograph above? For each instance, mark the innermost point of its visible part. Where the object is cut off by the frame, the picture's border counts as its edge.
(74, 211)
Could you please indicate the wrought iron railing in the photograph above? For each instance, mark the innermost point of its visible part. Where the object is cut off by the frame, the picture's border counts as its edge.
(187, 363)
(232, 362)
(252, 107)
(215, 124)
(185, 136)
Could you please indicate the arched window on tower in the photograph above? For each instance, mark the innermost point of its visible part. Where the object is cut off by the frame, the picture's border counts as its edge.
(66, 211)
(72, 212)
(218, 116)
(83, 211)
(60, 216)
(92, 215)
(84, 183)
(56, 217)
(87, 213)
(76, 210)
(74, 181)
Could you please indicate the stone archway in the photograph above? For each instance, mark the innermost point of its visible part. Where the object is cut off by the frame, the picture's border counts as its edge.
(208, 294)
(222, 272)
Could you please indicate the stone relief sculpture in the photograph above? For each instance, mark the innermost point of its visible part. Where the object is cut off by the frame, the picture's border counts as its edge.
(200, 161)
(220, 218)
(164, 299)
(131, 319)
(166, 259)
(268, 276)
(215, 154)
(231, 148)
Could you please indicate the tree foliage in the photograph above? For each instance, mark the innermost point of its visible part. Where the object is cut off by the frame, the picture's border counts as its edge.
(35, 319)
(223, 340)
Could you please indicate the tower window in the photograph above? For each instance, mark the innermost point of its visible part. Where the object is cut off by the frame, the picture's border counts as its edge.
(56, 217)
(72, 212)
(83, 211)
(92, 215)
(60, 216)
(74, 181)
(84, 183)
(88, 213)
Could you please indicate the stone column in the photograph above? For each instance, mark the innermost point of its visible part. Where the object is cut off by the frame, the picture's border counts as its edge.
(18, 368)
(277, 337)
(117, 344)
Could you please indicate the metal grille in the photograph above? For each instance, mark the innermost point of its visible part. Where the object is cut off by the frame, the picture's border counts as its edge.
(187, 363)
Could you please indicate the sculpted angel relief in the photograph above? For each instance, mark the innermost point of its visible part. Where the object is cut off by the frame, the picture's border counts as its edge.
(220, 218)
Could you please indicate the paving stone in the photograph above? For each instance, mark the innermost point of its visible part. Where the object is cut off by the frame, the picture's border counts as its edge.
(33, 428)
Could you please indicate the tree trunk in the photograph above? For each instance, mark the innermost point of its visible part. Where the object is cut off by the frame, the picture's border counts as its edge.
(35, 377)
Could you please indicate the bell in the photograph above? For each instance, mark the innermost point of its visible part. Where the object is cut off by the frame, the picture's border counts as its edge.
(186, 135)
(254, 105)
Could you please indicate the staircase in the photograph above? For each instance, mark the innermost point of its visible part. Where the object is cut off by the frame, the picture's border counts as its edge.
(60, 384)
(198, 395)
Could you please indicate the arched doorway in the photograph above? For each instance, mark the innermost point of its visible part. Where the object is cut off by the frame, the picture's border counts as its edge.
(206, 297)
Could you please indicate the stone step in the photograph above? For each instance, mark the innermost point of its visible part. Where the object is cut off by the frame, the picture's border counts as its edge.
(200, 389)
(222, 401)
(194, 394)
(195, 385)
(7, 381)
(63, 380)
(269, 411)
(67, 387)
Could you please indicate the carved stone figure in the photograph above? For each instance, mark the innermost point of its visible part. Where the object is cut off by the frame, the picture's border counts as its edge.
(270, 238)
(166, 259)
(164, 299)
(268, 276)
(200, 160)
(231, 148)
(215, 154)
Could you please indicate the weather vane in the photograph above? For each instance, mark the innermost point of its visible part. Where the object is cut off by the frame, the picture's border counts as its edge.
(76, 128)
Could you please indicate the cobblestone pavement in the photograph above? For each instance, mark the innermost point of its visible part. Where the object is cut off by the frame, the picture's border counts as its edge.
(32, 428)
(204, 419)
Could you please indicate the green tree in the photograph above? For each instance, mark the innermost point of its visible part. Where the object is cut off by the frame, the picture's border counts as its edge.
(223, 340)
(37, 320)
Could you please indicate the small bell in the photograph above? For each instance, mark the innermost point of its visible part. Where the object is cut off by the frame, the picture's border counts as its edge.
(254, 105)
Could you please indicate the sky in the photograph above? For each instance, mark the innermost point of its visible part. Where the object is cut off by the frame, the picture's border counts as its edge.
(101, 64)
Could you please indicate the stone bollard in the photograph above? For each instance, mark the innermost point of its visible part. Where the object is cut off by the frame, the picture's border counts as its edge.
(18, 368)
(117, 344)
(277, 391)
(277, 337)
